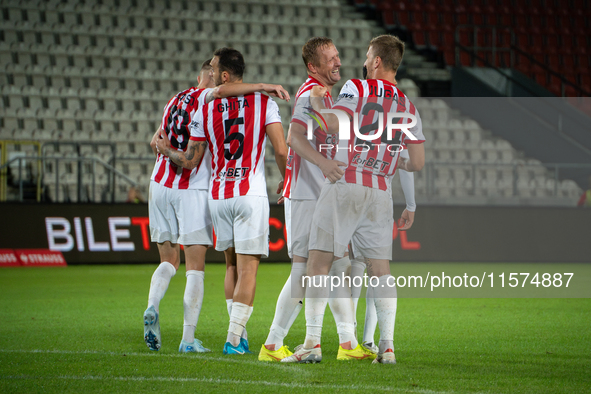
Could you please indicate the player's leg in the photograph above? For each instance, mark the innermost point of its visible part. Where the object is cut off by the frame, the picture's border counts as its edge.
(230, 278)
(371, 321)
(250, 215)
(164, 231)
(340, 302)
(385, 303)
(357, 271)
(289, 302)
(196, 233)
(193, 297)
(374, 242)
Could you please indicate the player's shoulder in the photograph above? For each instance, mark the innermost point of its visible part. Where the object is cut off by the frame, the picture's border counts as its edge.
(351, 88)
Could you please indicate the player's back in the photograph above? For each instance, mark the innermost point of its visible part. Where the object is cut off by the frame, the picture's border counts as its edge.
(234, 128)
(177, 115)
(373, 161)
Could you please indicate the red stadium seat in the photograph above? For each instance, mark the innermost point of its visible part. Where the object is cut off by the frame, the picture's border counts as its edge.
(504, 59)
(568, 61)
(434, 39)
(447, 19)
(475, 15)
(585, 79)
(570, 91)
(504, 16)
(522, 40)
(418, 35)
(401, 13)
(465, 59)
(461, 15)
(449, 57)
(466, 38)
(535, 18)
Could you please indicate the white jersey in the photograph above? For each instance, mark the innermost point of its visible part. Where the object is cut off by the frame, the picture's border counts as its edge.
(372, 162)
(303, 178)
(176, 119)
(235, 130)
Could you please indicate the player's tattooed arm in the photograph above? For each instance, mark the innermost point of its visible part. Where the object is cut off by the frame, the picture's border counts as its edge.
(187, 159)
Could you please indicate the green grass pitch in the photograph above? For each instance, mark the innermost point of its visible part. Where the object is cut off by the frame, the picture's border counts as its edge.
(79, 329)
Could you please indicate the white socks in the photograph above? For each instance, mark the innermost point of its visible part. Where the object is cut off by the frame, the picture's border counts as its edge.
(238, 319)
(371, 318)
(192, 302)
(385, 301)
(288, 306)
(340, 303)
(316, 300)
(159, 284)
(229, 307)
(357, 270)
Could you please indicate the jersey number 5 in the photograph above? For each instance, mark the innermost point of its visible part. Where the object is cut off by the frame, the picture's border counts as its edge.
(228, 124)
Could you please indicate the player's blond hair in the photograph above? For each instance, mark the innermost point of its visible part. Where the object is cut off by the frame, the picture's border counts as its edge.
(310, 50)
(390, 49)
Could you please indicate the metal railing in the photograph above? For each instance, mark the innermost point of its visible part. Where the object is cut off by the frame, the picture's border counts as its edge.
(42, 181)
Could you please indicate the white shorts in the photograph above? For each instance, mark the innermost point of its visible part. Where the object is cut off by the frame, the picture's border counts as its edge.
(287, 213)
(353, 213)
(243, 223)
(301, 224)
(179, 216)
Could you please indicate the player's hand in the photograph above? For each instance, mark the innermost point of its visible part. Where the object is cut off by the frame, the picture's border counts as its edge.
(319, 91)
(280, 187)
(154, 140)
(276, 91)
(281, 200)
(403, 164)
(331, 169)
(406, 220)
(163, 144)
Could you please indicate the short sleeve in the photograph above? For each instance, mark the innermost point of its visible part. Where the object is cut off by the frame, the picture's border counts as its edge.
(273, 114)
(416, 130)
(196, 127)
(300, 109)
(348, 99)
(203, 97)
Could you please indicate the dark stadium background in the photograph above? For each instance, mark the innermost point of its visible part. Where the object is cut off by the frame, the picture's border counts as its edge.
(502, 87)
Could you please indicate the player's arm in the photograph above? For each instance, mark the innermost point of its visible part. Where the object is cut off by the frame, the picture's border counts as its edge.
(240, 89)
(187, 159)
(407, 181)
(317, 95)
(155, 138)
(275, 134)
(416, 160)
(300, 144)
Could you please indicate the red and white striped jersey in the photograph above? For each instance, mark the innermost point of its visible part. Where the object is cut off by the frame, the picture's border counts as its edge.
(372, 162)
(234, 129)
(176, 119)
(304, 180)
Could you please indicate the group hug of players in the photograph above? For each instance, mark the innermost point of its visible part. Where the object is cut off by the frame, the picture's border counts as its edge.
(209, 173)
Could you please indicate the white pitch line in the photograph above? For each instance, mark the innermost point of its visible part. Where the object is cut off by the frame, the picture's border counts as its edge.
(299, 371)
(226, 381)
